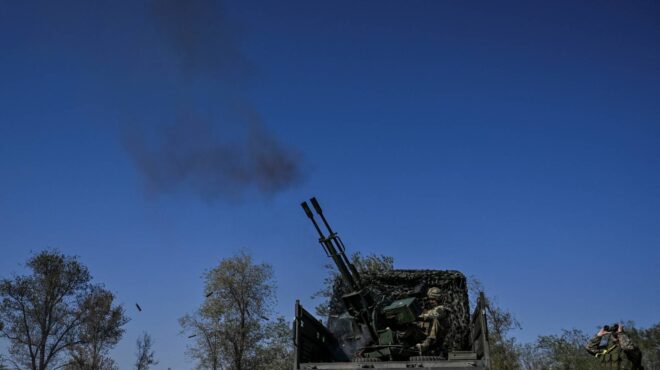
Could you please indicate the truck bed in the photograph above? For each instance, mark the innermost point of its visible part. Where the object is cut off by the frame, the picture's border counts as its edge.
(315, 348)
(398, 365)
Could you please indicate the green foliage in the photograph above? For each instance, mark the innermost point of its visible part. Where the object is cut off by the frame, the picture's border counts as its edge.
(648, 341)
(54, 310)
(206, 333)
(101, 363)
(100, 329)
(145, 354)
(231, 329)
(565, 351)
(372, 263)
(503, 347)
(368, 264)
(276, 353)
(531, 357)
(553, 352)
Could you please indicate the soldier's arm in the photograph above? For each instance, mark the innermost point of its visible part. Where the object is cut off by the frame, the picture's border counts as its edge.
(434, 313)
(593, 345)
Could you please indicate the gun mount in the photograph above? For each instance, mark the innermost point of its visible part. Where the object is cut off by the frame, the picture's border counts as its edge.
(359, 302)
(375, 317)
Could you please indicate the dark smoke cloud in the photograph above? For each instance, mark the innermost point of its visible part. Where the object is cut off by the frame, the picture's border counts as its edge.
(194, 155)
(189, 156)
(201, 38)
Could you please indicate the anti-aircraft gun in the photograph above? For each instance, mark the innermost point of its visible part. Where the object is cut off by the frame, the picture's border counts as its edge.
(385, 329)
(373, 317)
(359, 302)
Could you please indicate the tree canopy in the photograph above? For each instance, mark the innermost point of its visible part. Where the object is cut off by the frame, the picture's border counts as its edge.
(231, 329)
(145, 354)
(56, 310)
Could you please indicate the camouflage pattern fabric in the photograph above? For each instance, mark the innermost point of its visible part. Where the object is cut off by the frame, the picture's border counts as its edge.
(625, 342)
(435, 313)
(593, 345)
(632, 353)
(389, 286)
(625, 354)
(431, 326)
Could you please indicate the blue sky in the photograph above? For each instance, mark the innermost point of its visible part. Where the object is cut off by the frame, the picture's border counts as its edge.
(515, 141)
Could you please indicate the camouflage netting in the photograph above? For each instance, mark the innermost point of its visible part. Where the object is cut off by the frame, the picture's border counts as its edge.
(398, 284)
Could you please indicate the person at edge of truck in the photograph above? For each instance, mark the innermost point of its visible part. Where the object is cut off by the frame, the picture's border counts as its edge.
(619, 352)
(429, 321)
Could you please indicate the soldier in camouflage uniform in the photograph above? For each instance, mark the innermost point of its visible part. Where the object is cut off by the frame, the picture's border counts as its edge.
(429, 322)
(619, 353)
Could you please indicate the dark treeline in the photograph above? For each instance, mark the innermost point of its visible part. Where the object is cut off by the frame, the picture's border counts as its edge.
(565, 350)
(562, 351)
(56, 317)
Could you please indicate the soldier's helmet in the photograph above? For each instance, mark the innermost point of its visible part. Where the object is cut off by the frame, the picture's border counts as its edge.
(434, 293)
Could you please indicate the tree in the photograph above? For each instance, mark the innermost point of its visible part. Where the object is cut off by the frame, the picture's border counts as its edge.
(145, 354)
(2, 362)
(100, 330)
(51, 311)
(503, 348)
(276, 353)
(566, 351)
(231, 329)
(206, 332)
(531, 357)
(648, 341)
(102, 363)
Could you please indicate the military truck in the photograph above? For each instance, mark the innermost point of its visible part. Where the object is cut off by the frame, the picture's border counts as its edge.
(374, 318)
